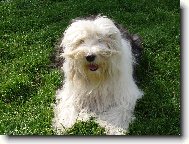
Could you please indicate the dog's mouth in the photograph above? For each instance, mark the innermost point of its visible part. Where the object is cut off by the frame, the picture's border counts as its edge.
(93, 67)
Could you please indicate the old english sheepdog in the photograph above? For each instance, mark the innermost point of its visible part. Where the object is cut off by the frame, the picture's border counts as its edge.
(99, 58)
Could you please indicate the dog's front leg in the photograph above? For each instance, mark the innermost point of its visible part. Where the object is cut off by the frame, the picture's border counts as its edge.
(65, 112)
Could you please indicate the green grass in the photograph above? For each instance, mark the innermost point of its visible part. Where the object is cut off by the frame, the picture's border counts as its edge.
(29, 31)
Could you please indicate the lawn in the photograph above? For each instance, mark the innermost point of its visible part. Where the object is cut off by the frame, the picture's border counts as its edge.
(29, 31)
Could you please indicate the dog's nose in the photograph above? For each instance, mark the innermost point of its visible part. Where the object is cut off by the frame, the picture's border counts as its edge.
(90, 58)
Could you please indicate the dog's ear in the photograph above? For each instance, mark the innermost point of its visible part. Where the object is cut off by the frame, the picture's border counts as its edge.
(137, 40)
(61, 44)
(61, 48)
(136, 43)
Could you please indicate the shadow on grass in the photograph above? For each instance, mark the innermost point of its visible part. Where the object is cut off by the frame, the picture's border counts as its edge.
(154, 112)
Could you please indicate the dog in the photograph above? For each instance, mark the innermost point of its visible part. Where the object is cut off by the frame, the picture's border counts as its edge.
(99, 61)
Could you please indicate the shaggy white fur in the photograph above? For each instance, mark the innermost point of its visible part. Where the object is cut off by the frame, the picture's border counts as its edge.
(101, 85)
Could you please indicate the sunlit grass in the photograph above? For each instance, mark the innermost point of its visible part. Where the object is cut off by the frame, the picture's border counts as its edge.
(29, 31)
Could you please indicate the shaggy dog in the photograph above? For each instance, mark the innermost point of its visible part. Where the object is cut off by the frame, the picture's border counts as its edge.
(98, 71)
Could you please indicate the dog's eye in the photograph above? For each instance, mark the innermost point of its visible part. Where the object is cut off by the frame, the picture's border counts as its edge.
(108, 45)
(99, 40)
(111, 36)
(81, 41)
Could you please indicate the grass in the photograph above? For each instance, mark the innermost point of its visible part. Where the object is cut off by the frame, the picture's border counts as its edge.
(29, 31)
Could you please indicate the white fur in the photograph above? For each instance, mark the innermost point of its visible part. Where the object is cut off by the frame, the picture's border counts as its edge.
(108, 94)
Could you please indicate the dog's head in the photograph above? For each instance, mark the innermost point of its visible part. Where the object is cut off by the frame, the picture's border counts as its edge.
(92, 46)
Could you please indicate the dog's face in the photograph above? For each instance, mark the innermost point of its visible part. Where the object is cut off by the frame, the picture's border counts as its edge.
(92, 46)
